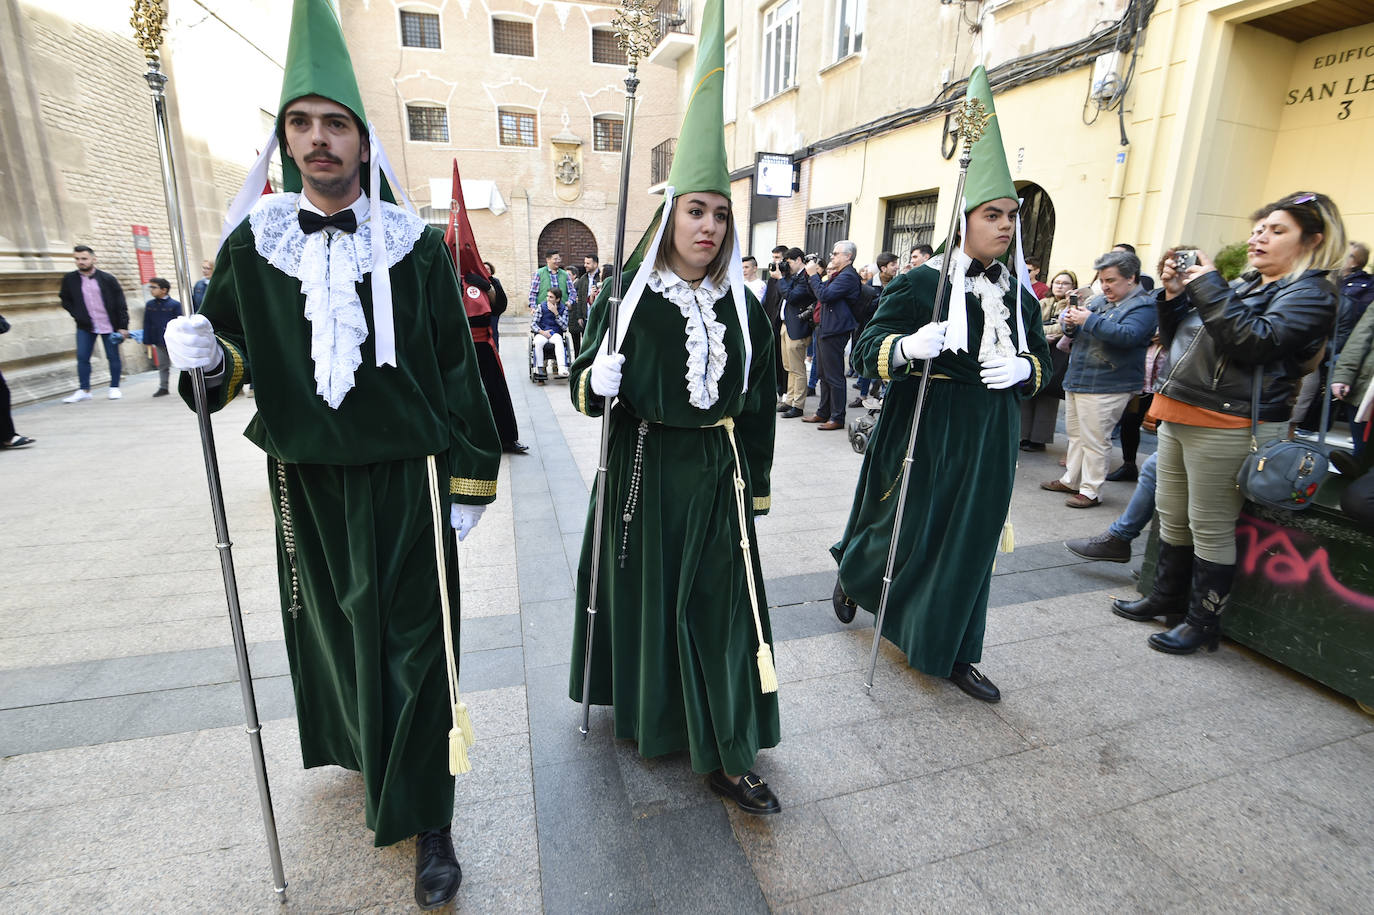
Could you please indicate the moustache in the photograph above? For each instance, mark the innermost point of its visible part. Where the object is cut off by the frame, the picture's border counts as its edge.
(324, 157)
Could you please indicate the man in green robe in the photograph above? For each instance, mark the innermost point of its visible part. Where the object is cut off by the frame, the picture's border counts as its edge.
(378, 436)
(984, 360)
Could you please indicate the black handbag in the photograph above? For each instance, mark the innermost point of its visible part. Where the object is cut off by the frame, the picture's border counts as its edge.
(4, 325)
(1282, 474)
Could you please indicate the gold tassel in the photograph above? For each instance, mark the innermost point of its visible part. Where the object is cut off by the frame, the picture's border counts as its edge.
(1008, 538)
(463, 722)
(458, 763)
(768, 676)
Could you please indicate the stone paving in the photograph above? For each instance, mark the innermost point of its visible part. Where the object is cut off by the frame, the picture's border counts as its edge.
(1110, 778)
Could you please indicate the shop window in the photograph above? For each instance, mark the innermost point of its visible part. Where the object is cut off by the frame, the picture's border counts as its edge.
(849, 27)
(608, 133)
(427, 123)
(606, 49)
(518, 128)
(781, 27)
(512, 36)
(910, 221)
(420, 30)
(824, 227)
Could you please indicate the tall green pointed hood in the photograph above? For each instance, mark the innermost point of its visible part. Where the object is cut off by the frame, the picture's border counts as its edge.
(988, 175)
(317, 63)
(699, 160)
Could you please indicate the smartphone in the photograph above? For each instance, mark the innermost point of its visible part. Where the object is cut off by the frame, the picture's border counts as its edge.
(1073, 300)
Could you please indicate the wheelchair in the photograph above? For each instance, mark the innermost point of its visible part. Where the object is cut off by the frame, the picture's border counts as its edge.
(543, 361)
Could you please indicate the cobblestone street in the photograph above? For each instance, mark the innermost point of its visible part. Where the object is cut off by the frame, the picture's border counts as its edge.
(1110, 778)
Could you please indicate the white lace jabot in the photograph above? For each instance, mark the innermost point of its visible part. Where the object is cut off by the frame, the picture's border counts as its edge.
(705, 335)
(329, 268)
(996, 341)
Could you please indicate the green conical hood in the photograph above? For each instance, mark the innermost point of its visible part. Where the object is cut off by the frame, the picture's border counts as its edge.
(988, 175)
(699, 161)
(317, 63)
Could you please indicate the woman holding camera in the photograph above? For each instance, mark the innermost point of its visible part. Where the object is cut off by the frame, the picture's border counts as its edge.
(1273, 320)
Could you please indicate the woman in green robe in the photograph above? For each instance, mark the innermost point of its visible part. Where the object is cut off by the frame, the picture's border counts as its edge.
(677, 634)
(965, 459)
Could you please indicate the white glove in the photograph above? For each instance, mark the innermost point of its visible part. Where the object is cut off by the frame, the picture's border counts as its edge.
(464, 518)
(606, 374)
(191, 343)
(926, 343)
(1004, 373)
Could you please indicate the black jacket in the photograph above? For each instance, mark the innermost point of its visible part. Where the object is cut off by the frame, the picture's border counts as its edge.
(798, 301)
(1216, 336)
(75, 303)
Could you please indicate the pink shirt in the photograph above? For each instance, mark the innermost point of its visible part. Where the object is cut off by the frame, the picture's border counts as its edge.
(95, 304)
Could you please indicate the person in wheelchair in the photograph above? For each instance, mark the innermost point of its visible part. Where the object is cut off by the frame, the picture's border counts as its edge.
(549, 328)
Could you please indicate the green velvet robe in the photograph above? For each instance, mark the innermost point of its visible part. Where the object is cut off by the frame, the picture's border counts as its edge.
(675, 643)
(961, 479)
(366, 642)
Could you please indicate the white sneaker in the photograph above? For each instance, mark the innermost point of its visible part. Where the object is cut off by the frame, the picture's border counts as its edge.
(114, 394)
(77, 397)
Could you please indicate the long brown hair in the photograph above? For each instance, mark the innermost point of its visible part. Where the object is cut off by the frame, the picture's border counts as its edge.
(719, 268)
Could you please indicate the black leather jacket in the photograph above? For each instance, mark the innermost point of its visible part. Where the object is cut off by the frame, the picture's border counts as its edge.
(1217, 334)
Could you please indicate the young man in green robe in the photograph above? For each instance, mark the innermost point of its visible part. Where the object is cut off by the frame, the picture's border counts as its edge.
(345, 315)
(988, 356)
(682, 646)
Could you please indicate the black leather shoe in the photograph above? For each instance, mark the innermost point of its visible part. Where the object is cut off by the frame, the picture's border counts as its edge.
(1168, 598)
(752, 794)
(792, 413)
(844, 605)
(967, 678)
(784, 407)
(437, 874)
(515, 448)
(161, 392)
(1127, 472)
(1029, 445)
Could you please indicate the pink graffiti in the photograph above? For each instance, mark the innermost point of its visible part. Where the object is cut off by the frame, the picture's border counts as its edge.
(1288, 567)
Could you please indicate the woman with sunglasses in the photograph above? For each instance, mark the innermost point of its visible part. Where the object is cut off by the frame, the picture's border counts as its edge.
(1275, 319)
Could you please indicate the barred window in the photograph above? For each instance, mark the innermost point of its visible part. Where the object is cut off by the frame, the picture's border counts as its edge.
(511, 36)
(419, 30)
(518, 128)
(428, 123)
(608, 133)
(605, 48)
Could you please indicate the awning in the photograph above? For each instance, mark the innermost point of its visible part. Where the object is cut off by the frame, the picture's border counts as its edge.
(478, 194)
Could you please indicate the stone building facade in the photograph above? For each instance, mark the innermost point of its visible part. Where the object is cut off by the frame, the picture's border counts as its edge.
(80, 164)
(528, 96)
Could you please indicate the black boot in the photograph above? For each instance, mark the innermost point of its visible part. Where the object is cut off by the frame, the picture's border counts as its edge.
(1169, 596)
(437, 874)
(843, 603)
(1202, 626)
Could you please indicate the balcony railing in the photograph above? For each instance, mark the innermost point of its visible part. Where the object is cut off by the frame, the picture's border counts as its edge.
(674, 16)
(661, 160)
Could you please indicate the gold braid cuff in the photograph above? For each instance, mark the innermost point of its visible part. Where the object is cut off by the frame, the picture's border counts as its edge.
(1039, 376)
(763, 503)
(582, 387)
(885, 356)
(236, 373)
(462, 486)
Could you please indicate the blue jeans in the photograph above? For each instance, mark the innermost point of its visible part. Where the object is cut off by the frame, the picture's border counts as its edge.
(85, 345)
(1141, 507)
(1357, 437)
(864, 386)
(815, 362)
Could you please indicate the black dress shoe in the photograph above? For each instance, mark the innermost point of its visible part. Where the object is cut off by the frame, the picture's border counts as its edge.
(844, 604)
(161, 392)
(856, 402)
(1029, 445)
(752, 794)
(437, 874)
(967, 678)
(1126, 472)
(515, 448)
(792, 413)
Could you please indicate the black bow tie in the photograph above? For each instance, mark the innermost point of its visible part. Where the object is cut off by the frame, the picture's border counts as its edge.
(344, 220)
(975, 268)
